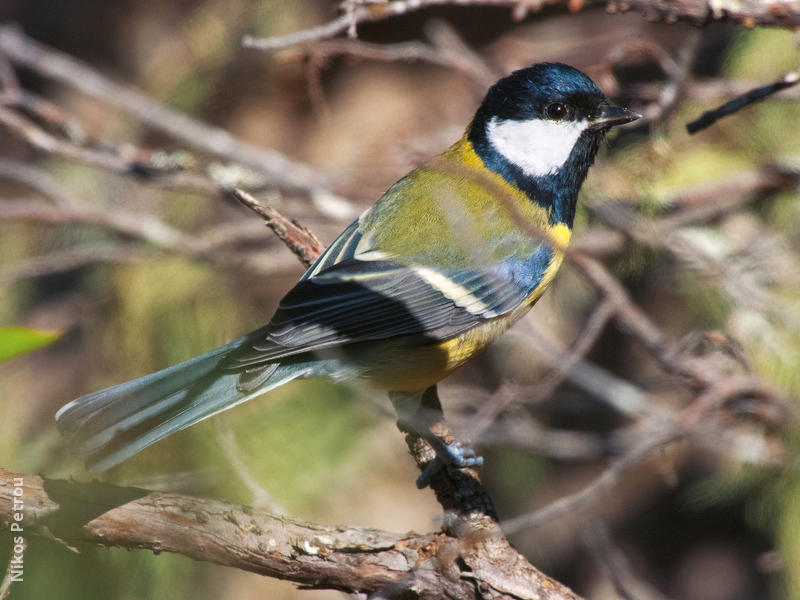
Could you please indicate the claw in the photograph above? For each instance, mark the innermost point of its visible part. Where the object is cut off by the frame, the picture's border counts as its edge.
(431, 469)
(453, 454)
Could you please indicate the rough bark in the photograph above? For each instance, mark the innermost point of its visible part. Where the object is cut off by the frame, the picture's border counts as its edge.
(353, 559)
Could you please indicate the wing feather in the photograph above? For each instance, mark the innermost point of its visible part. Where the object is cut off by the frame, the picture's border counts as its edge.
(356, 301)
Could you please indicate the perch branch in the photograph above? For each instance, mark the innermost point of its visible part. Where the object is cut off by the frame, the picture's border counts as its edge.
(352, 559)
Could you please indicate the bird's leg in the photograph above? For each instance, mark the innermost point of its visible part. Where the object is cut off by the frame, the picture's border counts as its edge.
(419, 414)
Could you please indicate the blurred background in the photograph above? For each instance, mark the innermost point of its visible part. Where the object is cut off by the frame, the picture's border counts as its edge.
(136, 274)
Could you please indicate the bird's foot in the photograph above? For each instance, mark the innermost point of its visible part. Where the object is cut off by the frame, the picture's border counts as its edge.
(448, 455)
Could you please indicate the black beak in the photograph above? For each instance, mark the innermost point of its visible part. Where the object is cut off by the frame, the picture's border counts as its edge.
(612, 115)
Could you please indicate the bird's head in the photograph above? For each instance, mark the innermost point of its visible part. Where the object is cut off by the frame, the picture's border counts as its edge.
(540, 128)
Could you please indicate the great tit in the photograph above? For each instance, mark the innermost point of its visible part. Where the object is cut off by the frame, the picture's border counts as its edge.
(445, 262)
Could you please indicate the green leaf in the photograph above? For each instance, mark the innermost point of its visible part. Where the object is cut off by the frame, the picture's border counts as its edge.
(20, 340)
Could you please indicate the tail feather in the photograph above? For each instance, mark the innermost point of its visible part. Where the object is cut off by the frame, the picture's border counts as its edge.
(111, 425)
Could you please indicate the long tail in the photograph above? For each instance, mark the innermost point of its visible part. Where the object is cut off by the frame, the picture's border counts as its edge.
(111, 425)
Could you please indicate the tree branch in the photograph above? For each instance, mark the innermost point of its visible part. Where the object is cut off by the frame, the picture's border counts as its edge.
(282, 171)
(351, 559)
(298, 238)
(758, 94)
(785, 13)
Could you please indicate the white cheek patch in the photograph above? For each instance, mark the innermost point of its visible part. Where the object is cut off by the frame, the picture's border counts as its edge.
(538, 147)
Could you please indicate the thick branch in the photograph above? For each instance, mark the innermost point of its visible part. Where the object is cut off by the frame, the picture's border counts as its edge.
(347, 558)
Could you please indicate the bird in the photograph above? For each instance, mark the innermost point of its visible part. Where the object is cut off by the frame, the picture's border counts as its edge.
(440, 266)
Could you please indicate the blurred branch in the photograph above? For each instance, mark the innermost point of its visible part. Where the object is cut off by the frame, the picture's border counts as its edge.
(712, 89)
(562, 368)
(637, 324)
(605, 482)
(41, 181)
(70, 259)
(660, 432)
(785, 13)
(615, 564)
(701, 205)
(107, 158)
(691, 207)
(281, 171)
(702, 89)
(135, 225)
(261, 498)
(446, 48)
(210, 244)
(677, 71)
(758, 94)
(350, 559)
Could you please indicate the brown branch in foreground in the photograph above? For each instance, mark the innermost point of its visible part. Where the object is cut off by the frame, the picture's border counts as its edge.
(699, 12)
(352, 559)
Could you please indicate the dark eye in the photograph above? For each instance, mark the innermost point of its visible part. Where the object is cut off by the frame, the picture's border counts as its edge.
(556, 111)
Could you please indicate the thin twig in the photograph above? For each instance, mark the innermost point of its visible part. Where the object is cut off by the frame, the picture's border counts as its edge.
(678, 73)
(105, 159)
(8, 78)
(70, 259)
(298, 238)
(38, 179)
(636, 323)
(563, 367)
(446, 49)
(615, 564)
(602, 484)
(758, 94)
